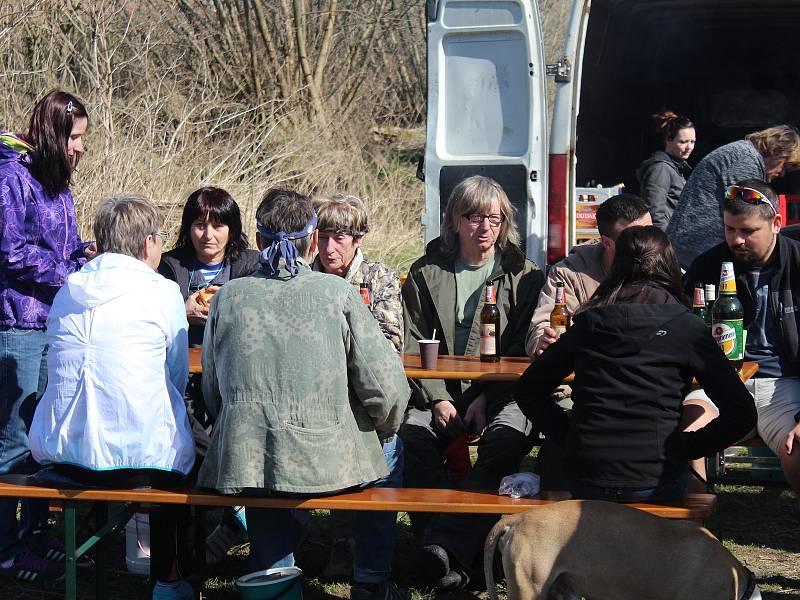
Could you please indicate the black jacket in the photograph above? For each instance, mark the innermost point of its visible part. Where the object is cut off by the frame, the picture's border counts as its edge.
(784, 291)
(633, 364)
(178, 263)
(661, 178)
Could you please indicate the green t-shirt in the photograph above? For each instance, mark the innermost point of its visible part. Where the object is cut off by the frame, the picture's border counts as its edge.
(470, 282)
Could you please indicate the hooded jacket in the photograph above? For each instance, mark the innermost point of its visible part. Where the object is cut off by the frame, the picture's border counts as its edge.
(633, 364)
(662, 178)
(581, 272)
(39, 242)
(117, 369)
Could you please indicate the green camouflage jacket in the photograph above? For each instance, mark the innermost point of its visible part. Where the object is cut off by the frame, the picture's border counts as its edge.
(384, 293)
(429, 300)
(298, 378)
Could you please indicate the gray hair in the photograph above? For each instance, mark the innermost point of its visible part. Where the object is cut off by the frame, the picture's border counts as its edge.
(342, 213)
(122, 224)
(474, 195)
(285, 210)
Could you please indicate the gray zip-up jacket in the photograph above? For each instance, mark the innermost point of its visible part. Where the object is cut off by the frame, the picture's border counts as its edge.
(662, 178)
(696, 224)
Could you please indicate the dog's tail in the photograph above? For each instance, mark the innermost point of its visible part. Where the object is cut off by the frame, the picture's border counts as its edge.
(489, 549)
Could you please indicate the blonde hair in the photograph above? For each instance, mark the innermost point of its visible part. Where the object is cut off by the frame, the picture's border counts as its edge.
(781, 141)
(474, 195)
(122, 224)
(342, 213)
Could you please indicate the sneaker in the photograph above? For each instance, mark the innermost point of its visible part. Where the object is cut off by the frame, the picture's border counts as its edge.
(174, 590)
(221, 540)
(50, 547)
(29, 567)
(340, 561)
(378, 591)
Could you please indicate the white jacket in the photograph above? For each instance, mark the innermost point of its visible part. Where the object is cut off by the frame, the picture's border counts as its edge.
(117, 368)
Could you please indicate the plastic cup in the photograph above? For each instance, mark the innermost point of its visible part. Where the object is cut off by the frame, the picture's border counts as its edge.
(429, 353)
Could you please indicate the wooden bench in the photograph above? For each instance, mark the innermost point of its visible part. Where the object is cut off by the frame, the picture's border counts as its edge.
(693, 506)
(763, 469)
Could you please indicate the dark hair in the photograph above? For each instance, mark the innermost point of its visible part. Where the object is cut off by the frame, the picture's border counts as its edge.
(216, 205)
(287, 211)
(643, 255)
(624, 207)
(668, 124)
(740, 207)
(48, 132)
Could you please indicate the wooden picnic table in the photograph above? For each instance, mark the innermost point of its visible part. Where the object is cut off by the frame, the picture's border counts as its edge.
(508, 368)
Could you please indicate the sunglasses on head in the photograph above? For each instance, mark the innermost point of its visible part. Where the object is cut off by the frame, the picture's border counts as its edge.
(749, 195)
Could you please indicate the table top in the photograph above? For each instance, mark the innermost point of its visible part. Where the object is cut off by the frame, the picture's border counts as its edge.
(508, 368)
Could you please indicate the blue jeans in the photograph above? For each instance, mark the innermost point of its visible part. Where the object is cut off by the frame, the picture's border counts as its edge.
(23, 377)
(666, 492)
(273, 532)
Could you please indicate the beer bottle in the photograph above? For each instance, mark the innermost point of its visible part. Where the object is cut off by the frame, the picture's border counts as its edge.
(490, 327)
(711, 295)
(699, 304)
(364, 290)
(559, 317)
(726, 318)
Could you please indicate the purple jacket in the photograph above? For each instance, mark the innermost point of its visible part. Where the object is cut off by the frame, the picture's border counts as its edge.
(39, 242)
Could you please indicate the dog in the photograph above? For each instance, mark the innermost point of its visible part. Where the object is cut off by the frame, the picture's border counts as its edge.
(607, 551)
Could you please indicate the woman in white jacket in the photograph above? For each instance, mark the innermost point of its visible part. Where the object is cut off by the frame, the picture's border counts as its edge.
(113, 412)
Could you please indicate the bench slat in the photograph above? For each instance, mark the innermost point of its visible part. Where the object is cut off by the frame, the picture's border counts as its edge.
(692, 506)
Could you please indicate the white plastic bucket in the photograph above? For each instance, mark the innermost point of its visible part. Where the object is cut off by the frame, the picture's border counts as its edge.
(137, 544)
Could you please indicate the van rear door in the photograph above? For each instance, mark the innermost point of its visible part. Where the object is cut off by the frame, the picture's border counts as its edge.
(566, 106)
(487, 111)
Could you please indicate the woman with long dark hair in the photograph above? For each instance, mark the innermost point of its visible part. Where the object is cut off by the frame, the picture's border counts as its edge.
(634, 349)
(39, 248)
(663, 175)
(211, 250)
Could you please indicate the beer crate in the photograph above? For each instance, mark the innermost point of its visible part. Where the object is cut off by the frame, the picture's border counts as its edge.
(587, 201)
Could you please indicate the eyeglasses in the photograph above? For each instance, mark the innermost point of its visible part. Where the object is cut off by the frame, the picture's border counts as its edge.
(164, 235)
(749, 195)
(477, 219)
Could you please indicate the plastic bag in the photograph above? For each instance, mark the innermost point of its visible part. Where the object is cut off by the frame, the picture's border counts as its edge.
(520, 485)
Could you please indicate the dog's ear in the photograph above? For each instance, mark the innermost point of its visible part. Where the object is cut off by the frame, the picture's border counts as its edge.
(564, 588)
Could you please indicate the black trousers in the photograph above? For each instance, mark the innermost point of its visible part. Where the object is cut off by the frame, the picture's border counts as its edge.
(500, 452)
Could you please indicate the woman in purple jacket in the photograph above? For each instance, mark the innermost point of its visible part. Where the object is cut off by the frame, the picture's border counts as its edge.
(39, 248)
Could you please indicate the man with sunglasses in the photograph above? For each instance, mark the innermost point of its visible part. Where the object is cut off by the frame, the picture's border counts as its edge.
(767, 268)
(444, 292)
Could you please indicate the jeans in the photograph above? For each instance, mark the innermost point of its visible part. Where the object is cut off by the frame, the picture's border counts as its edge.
(23, 377)
(666, 492)
(273, 532)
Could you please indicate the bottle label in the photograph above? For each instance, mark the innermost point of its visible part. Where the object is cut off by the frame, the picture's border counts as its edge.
(365, 295)
(488, 340)
(729, 338)
(490, 297)
(727, 279)
(560, 295)
(711, 293)
(699, 298)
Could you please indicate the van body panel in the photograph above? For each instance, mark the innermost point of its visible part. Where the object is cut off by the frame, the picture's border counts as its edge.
(486, 109)
(563, 129)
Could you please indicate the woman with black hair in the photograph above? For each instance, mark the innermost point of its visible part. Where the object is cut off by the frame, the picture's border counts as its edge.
(663, 175)
(211, 250)
(634, 349)
(39, 248)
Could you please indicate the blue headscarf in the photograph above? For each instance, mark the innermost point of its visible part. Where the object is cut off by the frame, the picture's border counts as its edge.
(278, 244)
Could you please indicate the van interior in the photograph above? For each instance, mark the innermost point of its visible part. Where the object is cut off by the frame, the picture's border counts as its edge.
(728, 65)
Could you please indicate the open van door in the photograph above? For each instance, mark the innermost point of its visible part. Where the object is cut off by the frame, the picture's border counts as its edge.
(566, 106)
(487, 111)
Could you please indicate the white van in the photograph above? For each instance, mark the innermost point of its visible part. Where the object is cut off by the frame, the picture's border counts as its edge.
(728, 65)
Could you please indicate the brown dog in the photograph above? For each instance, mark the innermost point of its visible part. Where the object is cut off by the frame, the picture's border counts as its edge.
(608, 551)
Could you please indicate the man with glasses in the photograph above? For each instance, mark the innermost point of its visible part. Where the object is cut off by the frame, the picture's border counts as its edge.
(767, 268)
(444, 292)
